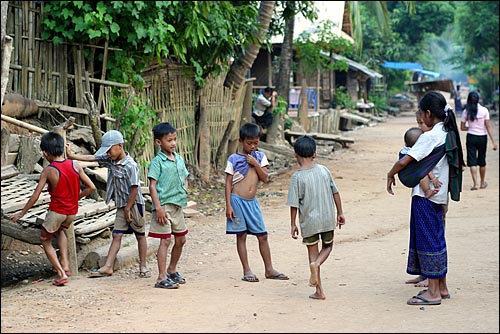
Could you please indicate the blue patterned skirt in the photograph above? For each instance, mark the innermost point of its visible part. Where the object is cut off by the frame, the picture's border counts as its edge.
(427, 255)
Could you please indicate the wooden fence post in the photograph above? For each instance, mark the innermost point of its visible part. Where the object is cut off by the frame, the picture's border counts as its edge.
(70, 231)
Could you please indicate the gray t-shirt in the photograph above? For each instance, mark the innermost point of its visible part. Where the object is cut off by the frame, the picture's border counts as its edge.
(311, 191)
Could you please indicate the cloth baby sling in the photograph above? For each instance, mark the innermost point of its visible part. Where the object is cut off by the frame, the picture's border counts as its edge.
(411, 175)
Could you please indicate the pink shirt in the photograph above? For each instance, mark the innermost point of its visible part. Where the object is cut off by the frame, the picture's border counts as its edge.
(477, 126)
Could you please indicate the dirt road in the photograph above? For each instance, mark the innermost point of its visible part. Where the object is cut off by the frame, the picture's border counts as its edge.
(363, 278)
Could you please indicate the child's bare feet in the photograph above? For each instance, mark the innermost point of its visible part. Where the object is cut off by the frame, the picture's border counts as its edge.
(422, 284)
(317, 296)
(429, 193)
(313, 280)
(415, 280)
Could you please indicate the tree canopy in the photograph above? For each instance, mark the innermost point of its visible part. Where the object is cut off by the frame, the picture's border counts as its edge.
(181, 30)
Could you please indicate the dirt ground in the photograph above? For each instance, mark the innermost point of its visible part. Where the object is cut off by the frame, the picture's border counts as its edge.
(363, 278)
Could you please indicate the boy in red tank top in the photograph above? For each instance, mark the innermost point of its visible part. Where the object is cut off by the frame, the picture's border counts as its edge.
(62, 177)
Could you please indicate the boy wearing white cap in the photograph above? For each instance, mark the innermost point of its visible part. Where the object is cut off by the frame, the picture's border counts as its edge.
(123, 186)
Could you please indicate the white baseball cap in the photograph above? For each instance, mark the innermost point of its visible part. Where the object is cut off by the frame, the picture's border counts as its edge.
(109, 139)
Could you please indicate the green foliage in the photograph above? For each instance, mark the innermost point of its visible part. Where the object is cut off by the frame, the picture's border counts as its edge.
(342, 99)
(378, 100)
(135, 119)
(280, 109)
(477, 28)
(145, 30)
(314, 50)
(284, 10)
(429, 19)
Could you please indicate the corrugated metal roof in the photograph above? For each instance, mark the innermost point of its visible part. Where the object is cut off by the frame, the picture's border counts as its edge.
(359, 67)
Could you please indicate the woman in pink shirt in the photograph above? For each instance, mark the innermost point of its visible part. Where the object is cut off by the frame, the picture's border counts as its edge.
(476, 121)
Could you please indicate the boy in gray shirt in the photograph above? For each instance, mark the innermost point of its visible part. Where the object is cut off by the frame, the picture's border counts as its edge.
(312, 192)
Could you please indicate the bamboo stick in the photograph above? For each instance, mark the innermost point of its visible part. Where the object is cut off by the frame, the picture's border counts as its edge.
(23, 124)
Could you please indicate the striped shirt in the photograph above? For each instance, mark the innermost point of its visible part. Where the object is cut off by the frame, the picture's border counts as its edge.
(311, 191)
(122, 175)
(170, 176)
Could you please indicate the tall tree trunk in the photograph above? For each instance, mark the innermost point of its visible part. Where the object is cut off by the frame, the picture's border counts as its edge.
(276, 130)
(283, 84)
(243, 62)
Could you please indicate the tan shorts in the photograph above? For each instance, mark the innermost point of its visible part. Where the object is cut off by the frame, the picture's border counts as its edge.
(137, 224)
(55, 221)
(175, 225)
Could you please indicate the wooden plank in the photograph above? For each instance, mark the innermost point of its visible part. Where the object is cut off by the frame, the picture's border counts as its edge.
(106, 220)
(13, 207)
(85, 210)
(356, 118)
(322, 136)
(9, 171)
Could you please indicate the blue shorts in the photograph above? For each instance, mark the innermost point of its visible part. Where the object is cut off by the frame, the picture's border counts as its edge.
(249, 214)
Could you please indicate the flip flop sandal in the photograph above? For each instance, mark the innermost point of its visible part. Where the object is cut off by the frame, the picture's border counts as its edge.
(167, 283)
(145, 273)
(177, 278)
(423, 301)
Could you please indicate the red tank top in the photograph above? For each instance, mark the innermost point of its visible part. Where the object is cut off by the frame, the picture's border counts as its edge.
(64, 198)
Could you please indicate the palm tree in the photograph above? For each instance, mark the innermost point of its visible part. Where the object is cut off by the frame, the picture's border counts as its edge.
(376, 8)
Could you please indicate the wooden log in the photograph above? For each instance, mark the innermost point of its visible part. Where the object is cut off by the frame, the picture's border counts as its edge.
(355, 118)
(29, 235)
(322, 136)
(18, 106)
(60, 107)
(23, 124)
(128, 253)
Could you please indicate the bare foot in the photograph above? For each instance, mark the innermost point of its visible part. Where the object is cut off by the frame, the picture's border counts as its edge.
(316, 296)
(415, 280)
(429, 193)
(422, 284)
(313, 280)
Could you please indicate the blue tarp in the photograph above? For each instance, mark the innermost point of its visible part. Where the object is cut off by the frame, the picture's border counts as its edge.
(402, 66)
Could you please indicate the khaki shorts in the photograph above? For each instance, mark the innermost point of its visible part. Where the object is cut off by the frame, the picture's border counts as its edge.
(137, 224)
(175, 225)
(326, 238)
(55, 221)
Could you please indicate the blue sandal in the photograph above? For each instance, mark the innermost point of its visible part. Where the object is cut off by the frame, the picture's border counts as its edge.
(177, 278)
